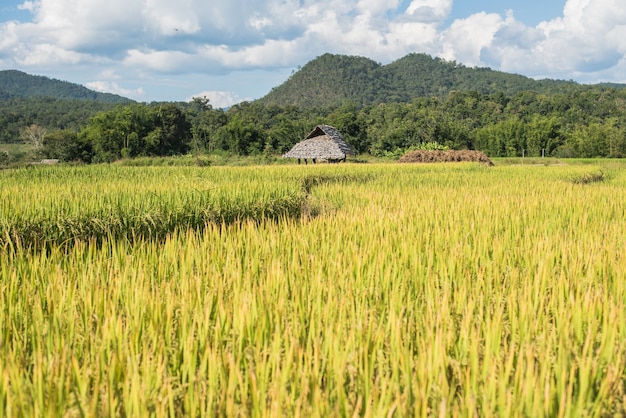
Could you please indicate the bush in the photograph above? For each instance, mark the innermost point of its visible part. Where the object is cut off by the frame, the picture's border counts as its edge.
(5, 157)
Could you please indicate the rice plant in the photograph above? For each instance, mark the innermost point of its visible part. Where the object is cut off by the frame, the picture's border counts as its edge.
(417, 290)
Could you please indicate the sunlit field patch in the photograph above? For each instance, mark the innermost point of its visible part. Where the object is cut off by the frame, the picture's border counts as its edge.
(327, 290)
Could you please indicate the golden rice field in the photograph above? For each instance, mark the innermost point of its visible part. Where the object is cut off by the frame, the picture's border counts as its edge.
(374, 290)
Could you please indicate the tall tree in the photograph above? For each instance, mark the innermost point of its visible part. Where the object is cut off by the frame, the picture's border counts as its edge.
(171, 133)
(34, 134)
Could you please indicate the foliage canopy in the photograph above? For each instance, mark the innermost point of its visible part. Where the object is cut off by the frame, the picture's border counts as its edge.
(380, 109)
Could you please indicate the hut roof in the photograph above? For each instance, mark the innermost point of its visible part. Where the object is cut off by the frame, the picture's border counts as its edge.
(324, 143)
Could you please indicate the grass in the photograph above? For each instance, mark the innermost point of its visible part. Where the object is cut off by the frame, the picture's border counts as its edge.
(44, 206)
(14, 154)
(205, 160)
(417, 290)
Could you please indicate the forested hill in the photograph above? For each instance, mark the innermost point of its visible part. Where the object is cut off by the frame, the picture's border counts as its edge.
(17, 84)
(29, 99)
(329, 80)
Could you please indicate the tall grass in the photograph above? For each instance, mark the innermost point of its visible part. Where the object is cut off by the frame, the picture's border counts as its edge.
(450, 290)
(51, 206)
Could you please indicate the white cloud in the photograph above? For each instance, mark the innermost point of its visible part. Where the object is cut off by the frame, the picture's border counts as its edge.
(115, 88)
(220, 99)
(464, 40)
(10, 38)
(42, 54)
(376, 7)
(586, 40)
(160, 61)
(435, 11)
(144, 38)
(28, 6)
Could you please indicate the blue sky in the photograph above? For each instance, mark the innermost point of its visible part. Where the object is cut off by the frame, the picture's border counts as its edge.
(235, 50)
(529, 12)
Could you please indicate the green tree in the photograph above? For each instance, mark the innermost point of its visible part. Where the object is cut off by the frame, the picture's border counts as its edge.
(347, 120)
(285, 131)
(503, 139)
(241, 137)
(105, 135)
(119, 132)
(5, 157)
(67, 146)
(543, 135)
(205, 121)
(138, 129)
(599, 139)
(170, 134)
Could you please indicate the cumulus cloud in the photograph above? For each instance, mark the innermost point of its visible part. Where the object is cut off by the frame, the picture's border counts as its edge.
(587, 39)
(434, 11)
(115, 88)
(147, 37)
(27, 5)
(464, 40)
(162, 35)
(220, 99)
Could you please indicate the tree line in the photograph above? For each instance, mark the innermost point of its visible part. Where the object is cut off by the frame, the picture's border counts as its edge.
(583, 123)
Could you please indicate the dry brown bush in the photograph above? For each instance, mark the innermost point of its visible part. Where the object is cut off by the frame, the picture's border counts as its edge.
(426, 156)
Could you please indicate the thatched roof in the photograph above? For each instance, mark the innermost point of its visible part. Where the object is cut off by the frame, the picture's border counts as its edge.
(324, 143)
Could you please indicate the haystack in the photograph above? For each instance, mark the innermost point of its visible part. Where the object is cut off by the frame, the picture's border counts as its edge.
(323, 143)
(436, 156)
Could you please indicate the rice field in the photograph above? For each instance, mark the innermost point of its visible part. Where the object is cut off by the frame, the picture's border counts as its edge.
(372, 290)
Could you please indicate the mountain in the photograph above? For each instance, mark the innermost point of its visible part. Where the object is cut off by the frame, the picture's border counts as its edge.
(329, 80)
(17, 84)
(29, 99)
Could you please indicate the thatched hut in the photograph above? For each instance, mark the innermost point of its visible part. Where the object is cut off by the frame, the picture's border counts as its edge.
(323, 143)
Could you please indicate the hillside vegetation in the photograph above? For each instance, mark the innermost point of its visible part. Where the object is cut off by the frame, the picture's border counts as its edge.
(384, 110)
(55, 114)
(15, 83)
(331, 79)
(29, 99)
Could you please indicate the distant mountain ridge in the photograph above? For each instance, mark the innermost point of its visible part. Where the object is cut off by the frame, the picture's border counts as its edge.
(17, 84)
(329, 80)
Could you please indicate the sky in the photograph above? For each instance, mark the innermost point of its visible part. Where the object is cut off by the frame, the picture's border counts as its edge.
(231, 51)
